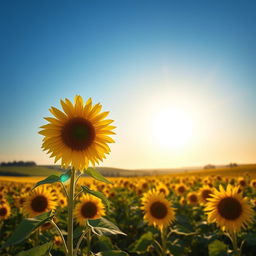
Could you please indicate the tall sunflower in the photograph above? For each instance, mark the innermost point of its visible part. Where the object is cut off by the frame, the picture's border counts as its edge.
(229, 209)
(89, 207)
(79, 135)
(40, 200)
(158, 210)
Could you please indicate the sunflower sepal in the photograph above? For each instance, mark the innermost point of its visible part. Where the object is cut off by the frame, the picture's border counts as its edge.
(92, 172)
(40, 250)
(96, 194)
(26, 227)
(103, 226)
(53, 179)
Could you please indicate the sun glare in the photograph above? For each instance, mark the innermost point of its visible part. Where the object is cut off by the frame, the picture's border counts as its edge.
(173, 128)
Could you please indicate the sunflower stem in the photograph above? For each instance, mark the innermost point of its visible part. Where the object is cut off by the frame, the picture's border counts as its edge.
(65, 191)
(80, 240)
(89, 238)
(70, 213)
(163, 239)
(236, 249)
(62, 237)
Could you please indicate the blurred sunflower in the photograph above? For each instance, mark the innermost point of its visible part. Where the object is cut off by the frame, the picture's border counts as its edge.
(162, 188)
(229, 209)
(192, 198)
(158, 210)
(79, 135)
(204, 194)
(89, 207)
(181, 189)
(40, 200)
(5, 211)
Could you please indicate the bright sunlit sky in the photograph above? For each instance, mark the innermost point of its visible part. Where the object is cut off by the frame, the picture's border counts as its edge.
(178, 77)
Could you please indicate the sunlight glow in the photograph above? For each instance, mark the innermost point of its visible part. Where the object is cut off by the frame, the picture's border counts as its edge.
(173, 128)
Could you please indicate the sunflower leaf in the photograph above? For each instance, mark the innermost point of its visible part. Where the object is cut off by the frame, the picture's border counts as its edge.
(217, 248)
(96, 175)
(48, 180)
(26, 227)
(103, 226)
(97, 194)
(41, 250)
(54, 178)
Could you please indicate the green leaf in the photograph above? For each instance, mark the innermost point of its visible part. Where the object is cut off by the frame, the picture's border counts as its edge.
(112, 253)
(66, 176)
(103, 226)
(142, 244)
(41, 250)
(96, 175)
(103, 243)
(26, 227)
(97, 194)
(217, 248)
(54, 178)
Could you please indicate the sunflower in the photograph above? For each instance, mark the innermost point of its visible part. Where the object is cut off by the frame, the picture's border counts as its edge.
(229, 209)
(79, 135)
(204, 194)
(40, 200)
(5, 211)
(181, 189)
(158, 210)
(192, 198)
(89, 207)
(162, 188)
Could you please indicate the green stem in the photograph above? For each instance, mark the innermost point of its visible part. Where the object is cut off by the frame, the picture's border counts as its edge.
(163, 239)
(70, 212)
(236, 249)
(64, 189)
(62, 237)
(89, 238)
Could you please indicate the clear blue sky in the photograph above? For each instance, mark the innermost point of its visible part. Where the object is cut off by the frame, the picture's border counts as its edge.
(131, 56)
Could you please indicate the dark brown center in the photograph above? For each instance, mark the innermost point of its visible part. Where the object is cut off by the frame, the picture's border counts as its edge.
(39, 204)
(206, 193)
(158, 210)
(181, 189)
(89, 210)
(193, 198)
(78, 134)
(230, 208)
(3, 211)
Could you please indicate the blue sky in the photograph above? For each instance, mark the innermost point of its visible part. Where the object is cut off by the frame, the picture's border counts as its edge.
(132, 56)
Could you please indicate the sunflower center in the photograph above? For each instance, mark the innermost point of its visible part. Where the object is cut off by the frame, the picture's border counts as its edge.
(39, 204)
(230, 208)
(193, 198)
(206, 193)
(181, 189)
(3, 211)
(158, 210)
(89, 210)
(78, 133)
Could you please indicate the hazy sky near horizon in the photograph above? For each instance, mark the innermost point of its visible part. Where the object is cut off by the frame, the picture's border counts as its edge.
(178, 77)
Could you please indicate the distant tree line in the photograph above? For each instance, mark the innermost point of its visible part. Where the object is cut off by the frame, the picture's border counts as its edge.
(18, 163)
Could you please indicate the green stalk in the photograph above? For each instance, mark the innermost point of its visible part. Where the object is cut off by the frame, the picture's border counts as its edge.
(70, 213)
(163, 239)
(236, 249)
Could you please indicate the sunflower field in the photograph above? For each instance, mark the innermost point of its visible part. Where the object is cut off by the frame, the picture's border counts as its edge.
(155, 215)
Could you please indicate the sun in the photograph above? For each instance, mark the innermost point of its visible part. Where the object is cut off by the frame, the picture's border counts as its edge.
(173, 128)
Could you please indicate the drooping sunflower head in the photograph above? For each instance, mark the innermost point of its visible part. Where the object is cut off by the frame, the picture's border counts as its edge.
(79, 136)
(40, 200)
(158, 210)
(229, 209)
(89, 207)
